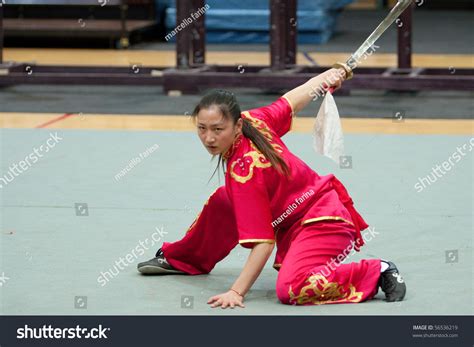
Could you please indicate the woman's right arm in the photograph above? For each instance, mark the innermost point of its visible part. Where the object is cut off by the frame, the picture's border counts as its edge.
(301, 96)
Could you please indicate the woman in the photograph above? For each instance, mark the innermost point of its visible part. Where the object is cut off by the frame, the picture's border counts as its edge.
(271, 196)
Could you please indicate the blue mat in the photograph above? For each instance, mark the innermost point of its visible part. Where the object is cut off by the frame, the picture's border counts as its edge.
(258, 20)
(244, 21)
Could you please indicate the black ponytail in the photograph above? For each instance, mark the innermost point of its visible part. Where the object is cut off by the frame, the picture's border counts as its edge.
(261, 142)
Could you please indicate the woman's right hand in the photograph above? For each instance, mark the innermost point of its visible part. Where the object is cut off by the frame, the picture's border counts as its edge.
(333, 78)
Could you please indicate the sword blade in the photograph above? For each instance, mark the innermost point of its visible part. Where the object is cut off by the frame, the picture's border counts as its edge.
(397, 10)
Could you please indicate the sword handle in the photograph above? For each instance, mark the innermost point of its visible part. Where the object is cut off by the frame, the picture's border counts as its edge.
(347, 69)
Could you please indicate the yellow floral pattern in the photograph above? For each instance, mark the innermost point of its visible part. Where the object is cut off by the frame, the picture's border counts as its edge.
(242, 169)
(246, 165)
(263, 128)
(324, 292)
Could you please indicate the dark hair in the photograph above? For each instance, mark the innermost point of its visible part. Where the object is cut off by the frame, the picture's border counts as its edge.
(227, 104)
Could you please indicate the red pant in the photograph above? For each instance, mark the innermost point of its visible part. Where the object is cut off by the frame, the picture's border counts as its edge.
(307, 276)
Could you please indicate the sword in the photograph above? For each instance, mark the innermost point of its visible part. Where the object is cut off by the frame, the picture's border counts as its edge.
(355, 58)
(327, 131)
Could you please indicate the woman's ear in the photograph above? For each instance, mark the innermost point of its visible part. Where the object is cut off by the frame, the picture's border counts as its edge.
(239, 125)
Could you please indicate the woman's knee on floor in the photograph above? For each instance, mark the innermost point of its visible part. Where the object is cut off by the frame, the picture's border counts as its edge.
(283, 285)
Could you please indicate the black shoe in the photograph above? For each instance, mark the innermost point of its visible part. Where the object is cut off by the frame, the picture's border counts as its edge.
(157, 266)
(392, 283)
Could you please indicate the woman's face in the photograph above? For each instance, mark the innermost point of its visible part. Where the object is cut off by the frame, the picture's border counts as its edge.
(216, 132)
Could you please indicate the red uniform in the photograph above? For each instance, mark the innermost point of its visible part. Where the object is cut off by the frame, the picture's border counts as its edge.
(310, 217)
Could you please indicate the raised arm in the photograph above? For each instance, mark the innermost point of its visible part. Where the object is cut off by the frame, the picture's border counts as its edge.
(300, 97)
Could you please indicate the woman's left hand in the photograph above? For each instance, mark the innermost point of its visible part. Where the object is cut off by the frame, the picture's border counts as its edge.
(228, 299)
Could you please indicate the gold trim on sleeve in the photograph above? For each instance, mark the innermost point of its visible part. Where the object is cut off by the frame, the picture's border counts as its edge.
(257, 241)
(291, 105)
(293, 114)
(313, 220)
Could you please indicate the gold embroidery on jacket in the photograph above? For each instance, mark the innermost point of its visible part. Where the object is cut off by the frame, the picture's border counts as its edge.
(264, 129)
(254, 158)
